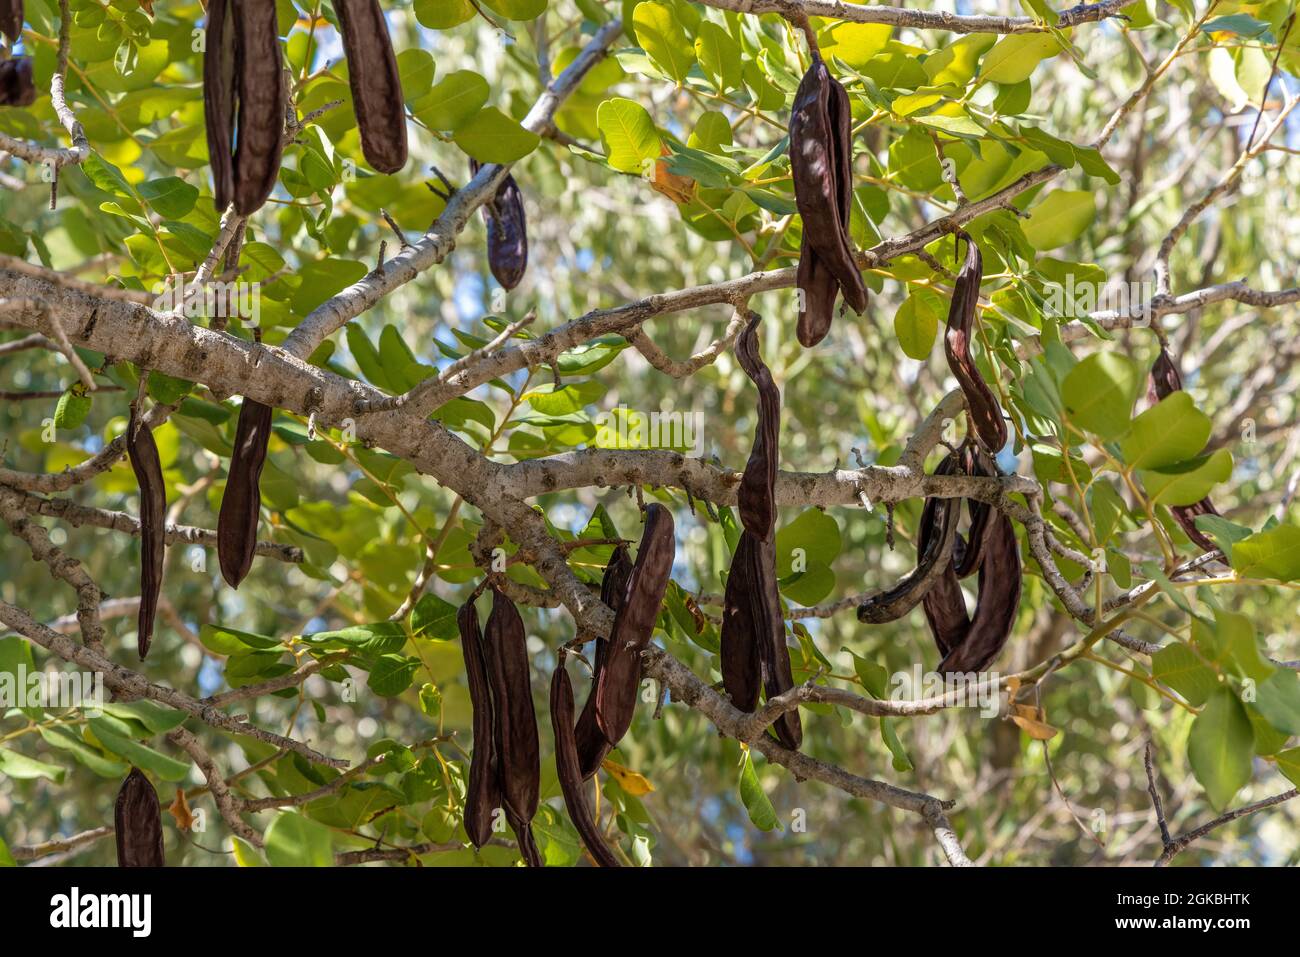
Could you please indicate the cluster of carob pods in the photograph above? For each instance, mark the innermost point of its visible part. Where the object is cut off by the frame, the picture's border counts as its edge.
(244, 91)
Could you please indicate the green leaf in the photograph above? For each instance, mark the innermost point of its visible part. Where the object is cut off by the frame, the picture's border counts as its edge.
(1274, 553)
(1224, 533)
(760, 809)
(453, 102)
(662, 37)
(1172, 431)
(493, 137)
(518, 9)
(1014, 57)
(628, 135)
(1288, 762)
(1186, 483)
(392, 674)
(719, 56)
(917, 323)
(296, 841)
(815, 533)
(856, 43)
(1060, 218)
(1182, 669)
(1099, 393)
(434, 618)
(1278, 700)
(22, 768)
(140, 755)
(6, 859)
(443, 14)
(170, 197)
(1220, 747)
(373, 639)
(71, 411)
(228, 641)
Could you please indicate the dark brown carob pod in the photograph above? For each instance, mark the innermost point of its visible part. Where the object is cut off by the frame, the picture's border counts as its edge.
(939, 521)
(137, 823)
(375, 81)
(969, 551)
(1165, 380)
(981, 403)
(591, 744)
(753, 648)
(568, 768)
(483, 792)
(17, 88)
(241, 504)
(507, 232)
(996, 606)
(11, 19)
(943, 603)
(821, 157)
(634, 622)
(142, 452)
(514, 720)
(243, 101)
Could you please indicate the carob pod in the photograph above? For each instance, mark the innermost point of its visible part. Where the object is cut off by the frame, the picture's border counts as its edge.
(483, 792)
(1165, 380)
(939, 519)
(514, 721)
(243, 101)
(634, 622)
(969, 551)
(11, 19)
(996, 605)
(137, 823)
(753, 647)
(375, 81)
(142, 452)
(17, 88)
(568, 767)
(507, 232)
(241, 505)
(821, 158)
(981, 403)
(591, 744)
(972, 642)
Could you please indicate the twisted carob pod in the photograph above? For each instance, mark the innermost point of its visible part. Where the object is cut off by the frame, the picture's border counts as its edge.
(981, 403)
(568, 767)
(142, 452)
(241, 504)
(243, 101)
(375, 81)
(137, 823)
(507, 232)
(939, 533)
(970, 550)
(483, 792)
(17, 88)
(634, 622)
(592, 746)
(972, 642)
(514, 721)
(11, 19)
(1165, 380)
(753, 647)
(821, 159)
(996, 605)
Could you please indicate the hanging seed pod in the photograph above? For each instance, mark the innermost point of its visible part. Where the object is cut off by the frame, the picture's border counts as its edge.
(243, 101)
(137, 823)
(943, 604)
(981, 403)
(939, 519)
(507, 229)
(591, 744)
(1165, 380)
(17, 88)
(11, 19)
(970, 550)
(634, 622)
(569, 770)
(821, 157)
(514, 720)
(753, 647)
(996, 606)
(483, 793)
(142, 452)
(241, 505)
(376, 83)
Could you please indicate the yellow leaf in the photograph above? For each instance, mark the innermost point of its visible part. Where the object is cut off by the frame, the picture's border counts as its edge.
(180, 809)
(630, 781)
(1033, 722)
(680, 189)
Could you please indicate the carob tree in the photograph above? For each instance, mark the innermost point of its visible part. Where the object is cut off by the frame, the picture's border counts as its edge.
(400, 435)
